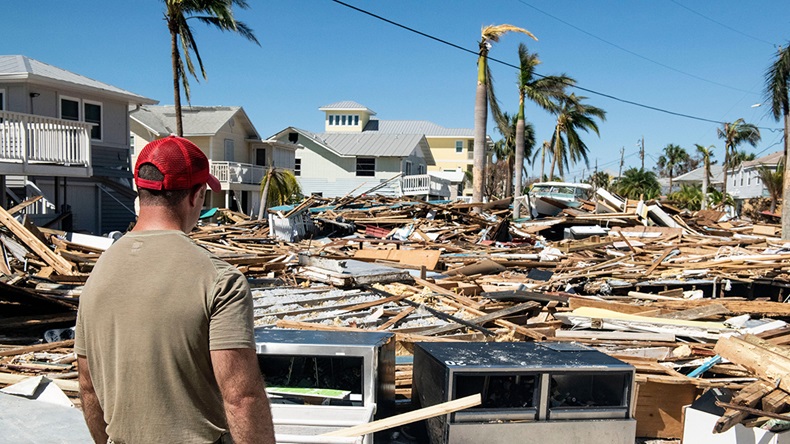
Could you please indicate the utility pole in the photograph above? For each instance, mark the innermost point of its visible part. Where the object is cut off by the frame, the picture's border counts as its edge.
(642, 152)
(622, 159)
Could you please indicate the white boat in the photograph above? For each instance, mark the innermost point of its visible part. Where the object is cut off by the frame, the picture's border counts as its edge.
(547, 199)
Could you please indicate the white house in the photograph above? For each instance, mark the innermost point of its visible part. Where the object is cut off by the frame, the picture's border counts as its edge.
(66, 137)
(744, 180)
(238, 156)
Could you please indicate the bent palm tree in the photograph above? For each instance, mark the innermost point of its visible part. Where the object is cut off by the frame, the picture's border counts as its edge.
(539, 91)
(734, 134)
(777, 84)
(278, 187)
(772, 180)
(484, 96)
(217, 13)
(566, 142)
(706, 152)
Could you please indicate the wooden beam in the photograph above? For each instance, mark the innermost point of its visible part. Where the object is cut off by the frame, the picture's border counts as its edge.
(764, 363)
(60, 265)
(65, 384)
(749, 396)
(481, 320)
(693, 314)
(410, 417)
(37, 348)
(395, 319)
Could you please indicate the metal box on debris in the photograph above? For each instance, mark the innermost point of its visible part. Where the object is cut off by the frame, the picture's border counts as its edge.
(320, 381)
(532, 393)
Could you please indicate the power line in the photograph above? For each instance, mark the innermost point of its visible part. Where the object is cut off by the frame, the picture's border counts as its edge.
(608, 96)
(663, 65)
(722, 24)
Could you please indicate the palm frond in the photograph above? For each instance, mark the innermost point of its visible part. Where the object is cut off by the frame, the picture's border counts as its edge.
(777, 83)
(495, 32)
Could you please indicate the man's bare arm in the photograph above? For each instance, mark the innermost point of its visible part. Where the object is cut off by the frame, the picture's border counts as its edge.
(244, 395)
(93, 412)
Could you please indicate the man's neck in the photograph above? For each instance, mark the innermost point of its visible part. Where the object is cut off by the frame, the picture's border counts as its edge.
(159, 218)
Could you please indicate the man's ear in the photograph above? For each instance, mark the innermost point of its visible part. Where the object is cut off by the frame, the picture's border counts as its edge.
(196, 193)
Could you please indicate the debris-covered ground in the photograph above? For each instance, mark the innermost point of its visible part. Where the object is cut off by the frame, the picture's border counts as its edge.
(694, 301)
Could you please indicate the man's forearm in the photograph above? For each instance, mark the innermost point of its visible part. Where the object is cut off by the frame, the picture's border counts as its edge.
(94, 416)
(250, 420)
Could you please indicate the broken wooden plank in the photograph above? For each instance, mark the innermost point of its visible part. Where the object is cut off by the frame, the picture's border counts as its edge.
(60, 265)
(480, 320)
(693, 314)
(764, 363)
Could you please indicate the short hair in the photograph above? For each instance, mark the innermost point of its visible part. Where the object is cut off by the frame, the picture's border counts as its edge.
(160, 198)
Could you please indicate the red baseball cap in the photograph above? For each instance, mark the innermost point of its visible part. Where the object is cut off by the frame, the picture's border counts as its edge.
(183, 164)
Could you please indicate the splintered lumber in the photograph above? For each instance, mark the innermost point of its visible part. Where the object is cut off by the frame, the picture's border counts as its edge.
(64, 384)
(752, 411)
(749, 396)
(395, 319)
(37, 348)
(755, 308)
(410, 417)
(401, 337)
(693, 314)
(776, 401)
(760, 361)
(62, 266)
(480, 320)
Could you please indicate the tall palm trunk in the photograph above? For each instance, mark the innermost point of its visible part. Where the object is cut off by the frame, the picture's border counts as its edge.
(175, 57)
(786, 183)
(670, 181)
(726, 167)
(519, 157)
(265, 193)
(705, 184)
(508, 191)
(543, 160)
(481, 120)
(555, 152)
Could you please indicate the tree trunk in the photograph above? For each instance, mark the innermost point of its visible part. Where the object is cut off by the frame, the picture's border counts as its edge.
(543, 161)
(705, 184)
(481, 120)
(670, 182)
(174, 55)
(786, 184)
(519, 159)
(508, 191)
(725, 168)
(265, 193)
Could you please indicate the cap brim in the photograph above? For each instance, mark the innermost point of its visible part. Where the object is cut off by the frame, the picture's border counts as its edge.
(213, 183)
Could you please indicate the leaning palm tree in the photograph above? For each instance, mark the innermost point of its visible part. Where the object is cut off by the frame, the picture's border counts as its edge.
(706, 152)
(217, 13)
(673, 157)
(566, 142)
(734, 134)
(772, 180)
(539, 90)
(483, 97)
(506, 148)
(777, 85)
(278, 187)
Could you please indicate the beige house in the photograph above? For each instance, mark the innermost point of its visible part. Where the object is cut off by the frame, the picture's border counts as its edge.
(238, 156)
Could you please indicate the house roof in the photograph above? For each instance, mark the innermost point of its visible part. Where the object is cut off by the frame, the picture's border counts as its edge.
(19, 67)
(430, 129)
(197, 120)
(695, 176)
(347, 105)
(771, 159)
(369, 144)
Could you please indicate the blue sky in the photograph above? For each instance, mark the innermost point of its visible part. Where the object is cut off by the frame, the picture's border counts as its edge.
(704, 58)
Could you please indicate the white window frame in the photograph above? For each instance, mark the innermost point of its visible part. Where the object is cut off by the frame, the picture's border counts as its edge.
(461, 142)
(101, 116)
(73, 99)
(297, 167)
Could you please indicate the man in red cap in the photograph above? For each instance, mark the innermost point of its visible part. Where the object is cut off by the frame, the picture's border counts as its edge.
(164, 341)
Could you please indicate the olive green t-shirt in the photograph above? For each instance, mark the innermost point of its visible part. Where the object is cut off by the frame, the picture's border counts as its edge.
(154, 306)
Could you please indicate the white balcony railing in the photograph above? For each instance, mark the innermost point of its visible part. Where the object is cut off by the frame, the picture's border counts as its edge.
(425, 184)
(27, 139)
(238, 173)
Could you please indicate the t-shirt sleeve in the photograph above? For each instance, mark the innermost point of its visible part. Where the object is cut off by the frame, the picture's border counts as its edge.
(231, 321)
(79, 336)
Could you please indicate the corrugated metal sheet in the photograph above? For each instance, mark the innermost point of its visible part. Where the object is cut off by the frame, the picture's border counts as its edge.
(346, 105)
(18, 66)
(430, 129)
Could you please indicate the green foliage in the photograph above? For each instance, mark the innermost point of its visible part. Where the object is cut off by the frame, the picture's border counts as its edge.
(573, 116)
(283, 189)
(688, 197)
(720, 199)
(600, 179)
(772, 180)
(637, 182)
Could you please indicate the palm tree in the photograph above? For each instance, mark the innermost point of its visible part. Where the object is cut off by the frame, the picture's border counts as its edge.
(777, 84)
(772, 180)
(734, 134)
(540, 91)
(673, 157)
(689, 196)
(706, 152)
(217, 13)
(740, 156)
(600, 179)
(636, 183)
(505, 149)
(572, 116)
(278, 187)
(483, 97)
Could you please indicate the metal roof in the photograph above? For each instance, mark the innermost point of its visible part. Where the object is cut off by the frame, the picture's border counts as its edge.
(695, 176)
(771, 159)
(369, 144)
(347, 105)
(430, 129)
(18, 67)
(197, 120)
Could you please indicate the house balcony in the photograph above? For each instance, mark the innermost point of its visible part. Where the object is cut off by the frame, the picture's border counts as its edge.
(238, 176)
(425, 184)
(33, 145)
